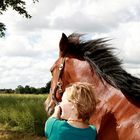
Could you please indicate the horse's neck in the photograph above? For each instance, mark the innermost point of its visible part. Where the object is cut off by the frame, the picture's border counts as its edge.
(111, 99)
(114, 111)
(113, 107)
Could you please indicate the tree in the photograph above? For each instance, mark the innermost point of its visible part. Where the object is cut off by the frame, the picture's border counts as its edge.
(48, 85)
(19, 89)
(17, 5)
(27, 89)
(9, 91)
(33, 90)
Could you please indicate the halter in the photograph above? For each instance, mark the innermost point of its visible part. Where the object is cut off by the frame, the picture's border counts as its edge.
(59, 84)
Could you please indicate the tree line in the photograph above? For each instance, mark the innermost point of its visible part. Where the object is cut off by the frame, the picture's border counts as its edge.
(28, 89)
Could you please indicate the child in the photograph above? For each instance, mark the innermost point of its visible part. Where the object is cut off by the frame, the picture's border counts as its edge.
(70, 119)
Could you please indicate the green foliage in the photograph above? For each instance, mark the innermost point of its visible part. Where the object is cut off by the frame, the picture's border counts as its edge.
(16, 5)
(32, 90)
(23, 113)
(28, 90)
(7, 90)
(2, 29)
(19, 89)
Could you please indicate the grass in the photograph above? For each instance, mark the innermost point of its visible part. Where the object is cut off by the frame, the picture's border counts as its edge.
(9, 135)
(22, 114)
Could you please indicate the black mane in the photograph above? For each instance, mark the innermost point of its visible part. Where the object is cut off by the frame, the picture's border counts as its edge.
(105, 63)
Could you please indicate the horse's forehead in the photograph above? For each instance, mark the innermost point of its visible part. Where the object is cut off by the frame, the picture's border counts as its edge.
(72, 64)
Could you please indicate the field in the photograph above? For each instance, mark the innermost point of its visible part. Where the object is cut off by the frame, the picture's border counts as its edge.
(22, 116)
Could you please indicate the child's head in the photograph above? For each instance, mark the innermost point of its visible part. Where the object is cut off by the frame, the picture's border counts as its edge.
(82, 96)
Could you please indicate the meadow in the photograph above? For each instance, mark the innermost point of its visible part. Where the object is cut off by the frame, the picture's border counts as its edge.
(22, 114)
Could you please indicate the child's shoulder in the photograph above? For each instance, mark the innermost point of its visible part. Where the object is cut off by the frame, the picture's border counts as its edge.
(56, 120)
(92, 127)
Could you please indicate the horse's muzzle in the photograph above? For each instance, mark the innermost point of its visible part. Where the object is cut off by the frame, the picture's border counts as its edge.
(50, 111)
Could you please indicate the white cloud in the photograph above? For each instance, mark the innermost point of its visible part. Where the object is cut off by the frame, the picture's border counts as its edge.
(92, 16)
(24, 71)
(31, 45)
(126, 36)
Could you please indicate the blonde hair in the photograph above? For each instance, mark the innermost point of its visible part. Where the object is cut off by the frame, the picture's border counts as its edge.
(82, 95)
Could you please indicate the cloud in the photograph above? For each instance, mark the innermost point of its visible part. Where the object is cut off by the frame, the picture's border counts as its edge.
(126, 38)
(31, 45)
(87, 16)
(24, 71)
(18, 46)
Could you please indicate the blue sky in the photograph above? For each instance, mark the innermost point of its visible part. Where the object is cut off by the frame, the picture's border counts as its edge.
(31, 45)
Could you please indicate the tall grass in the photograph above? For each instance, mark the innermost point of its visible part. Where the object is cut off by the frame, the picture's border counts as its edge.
(24, 113)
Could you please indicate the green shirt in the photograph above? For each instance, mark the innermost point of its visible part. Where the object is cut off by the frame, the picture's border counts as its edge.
(60, 130)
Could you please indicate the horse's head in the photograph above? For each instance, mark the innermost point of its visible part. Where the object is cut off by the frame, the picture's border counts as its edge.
(58, 75)
(65, 70)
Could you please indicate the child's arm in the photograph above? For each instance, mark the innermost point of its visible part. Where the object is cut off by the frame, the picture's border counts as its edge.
(50, 122)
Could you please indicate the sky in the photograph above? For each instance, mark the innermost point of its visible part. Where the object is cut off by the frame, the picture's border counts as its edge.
(31, 46)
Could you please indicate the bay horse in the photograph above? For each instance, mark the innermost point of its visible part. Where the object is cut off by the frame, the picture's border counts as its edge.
(117, 115)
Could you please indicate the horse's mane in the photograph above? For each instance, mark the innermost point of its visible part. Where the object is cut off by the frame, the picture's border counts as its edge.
(105, 63)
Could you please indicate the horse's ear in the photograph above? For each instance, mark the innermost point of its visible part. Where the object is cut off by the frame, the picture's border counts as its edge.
(63, 44)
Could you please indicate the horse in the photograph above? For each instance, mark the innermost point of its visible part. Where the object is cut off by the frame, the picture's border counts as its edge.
(117, 116)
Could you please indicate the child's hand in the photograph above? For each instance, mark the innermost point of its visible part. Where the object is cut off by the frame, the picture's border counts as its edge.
(57, 112)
